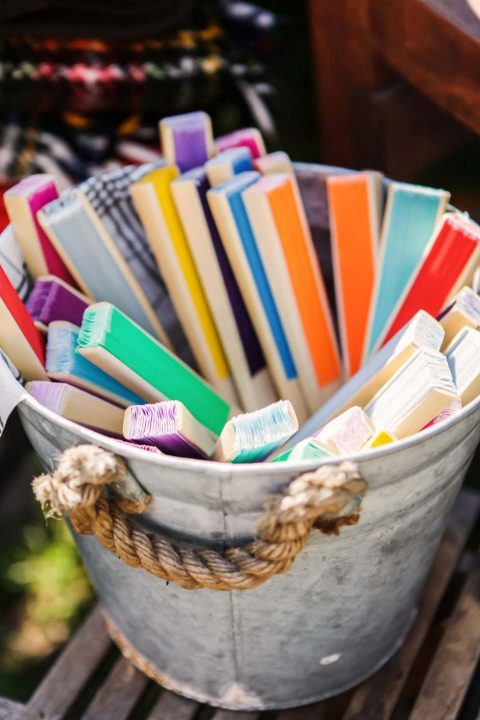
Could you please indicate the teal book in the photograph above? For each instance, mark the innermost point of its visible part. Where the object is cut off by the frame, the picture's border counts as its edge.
(411, 214)
(253, 436)
(65, 365)
(119, 347)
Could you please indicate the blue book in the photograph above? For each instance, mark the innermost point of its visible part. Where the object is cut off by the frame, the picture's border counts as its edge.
(65, 365)
(227, 164)
(228, 209)
(411, 214)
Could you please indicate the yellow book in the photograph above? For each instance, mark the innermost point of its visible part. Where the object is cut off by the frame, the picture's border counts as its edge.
(153, 200)
(381, 437)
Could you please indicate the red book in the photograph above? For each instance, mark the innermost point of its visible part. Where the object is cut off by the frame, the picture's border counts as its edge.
(447, 265)
(19, 338)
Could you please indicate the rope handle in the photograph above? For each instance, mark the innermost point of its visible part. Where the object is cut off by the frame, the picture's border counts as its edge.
(82, 488)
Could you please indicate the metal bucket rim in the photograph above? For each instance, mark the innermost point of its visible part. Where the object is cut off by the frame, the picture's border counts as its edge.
(218, 469)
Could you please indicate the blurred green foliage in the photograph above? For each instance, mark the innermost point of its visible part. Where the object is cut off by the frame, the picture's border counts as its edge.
(44, 593)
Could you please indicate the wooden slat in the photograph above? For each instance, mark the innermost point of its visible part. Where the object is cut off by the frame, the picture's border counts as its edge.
(435, 52)
(119, 694)
(10, 710)
(173, 707)
(450, 672)
(317, 711)
(234, 715)
(62, 684)
(376, 698)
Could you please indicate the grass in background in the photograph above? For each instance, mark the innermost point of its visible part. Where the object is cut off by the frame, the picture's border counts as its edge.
(44, 594)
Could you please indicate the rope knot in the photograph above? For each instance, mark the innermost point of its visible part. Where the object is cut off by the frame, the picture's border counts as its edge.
(77, 483)
(327, 499)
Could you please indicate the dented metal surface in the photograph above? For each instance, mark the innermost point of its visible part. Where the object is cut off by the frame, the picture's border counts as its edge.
(338, 614)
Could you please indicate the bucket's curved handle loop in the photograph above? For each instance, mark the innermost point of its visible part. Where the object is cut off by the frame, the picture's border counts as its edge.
(326, 499)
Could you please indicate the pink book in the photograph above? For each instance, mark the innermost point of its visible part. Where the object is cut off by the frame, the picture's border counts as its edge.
(23, 201)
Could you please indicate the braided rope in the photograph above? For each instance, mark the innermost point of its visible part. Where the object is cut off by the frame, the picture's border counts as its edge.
(326, 499)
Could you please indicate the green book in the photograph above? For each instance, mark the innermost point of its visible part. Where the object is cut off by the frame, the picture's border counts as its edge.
(305, 450)
(117, 345)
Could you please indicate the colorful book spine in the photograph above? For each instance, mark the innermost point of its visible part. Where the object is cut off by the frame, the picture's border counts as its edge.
(347, 433)
(112, 342)
(246, 137)
(187, 140)
(153, 199)
(98, 267)
(354, 210)
(52, 299)
(227, 164)
(240, 342)
(64, 364)
(276, 217)
(379, 439)
(169, 426)
(309, 449)
(448, 263)
(22, 202)
(411, 215)
(19, 338)
(252, 437)
(228, 209)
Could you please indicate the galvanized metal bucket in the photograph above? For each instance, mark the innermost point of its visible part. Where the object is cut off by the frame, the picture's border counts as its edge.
(337, 615)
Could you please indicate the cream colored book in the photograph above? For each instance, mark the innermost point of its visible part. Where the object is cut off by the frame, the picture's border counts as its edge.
(463, 357)
(239, 339)
(421, 331)
(153, 200)
(415, 395)
(275, 162)
(463, 312)
(79, 406)
(239, 241)
(294, 274)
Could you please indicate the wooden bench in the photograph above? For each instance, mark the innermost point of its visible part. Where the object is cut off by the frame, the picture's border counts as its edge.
(432, 677)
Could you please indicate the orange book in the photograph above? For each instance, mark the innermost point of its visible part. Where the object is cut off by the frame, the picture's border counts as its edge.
(354, 206)
(279, 223)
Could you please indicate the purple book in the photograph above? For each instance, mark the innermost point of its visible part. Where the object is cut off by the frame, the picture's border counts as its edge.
(170, 427)
(187, 140)
(53, 299)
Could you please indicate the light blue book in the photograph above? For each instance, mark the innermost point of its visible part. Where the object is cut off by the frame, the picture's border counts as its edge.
(227, 164)
(422, 331)
(236, 233)
(64, 365)
(99, 270)
(411, 214)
